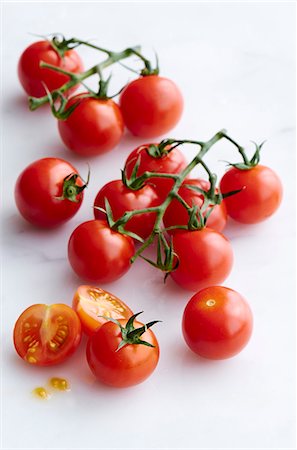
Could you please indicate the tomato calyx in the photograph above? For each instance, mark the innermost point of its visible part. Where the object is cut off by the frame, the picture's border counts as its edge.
(247, 163)
(71, 191)
(130, 334)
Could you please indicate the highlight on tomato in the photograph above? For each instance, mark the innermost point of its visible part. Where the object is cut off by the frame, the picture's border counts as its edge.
(45, 335)
(217, 323)
(94, 307)
(34, 78)
(98, 253)
(205, 258)
(123, 353)
(49, 192)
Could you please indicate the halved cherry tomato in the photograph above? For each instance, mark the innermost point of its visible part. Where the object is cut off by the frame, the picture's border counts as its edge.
(91, 303)
(47, 334)
(217, 323)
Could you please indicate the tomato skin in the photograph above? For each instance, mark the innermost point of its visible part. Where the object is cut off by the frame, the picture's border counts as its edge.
(260, 197)
(217, 323)
(37, 189)
(122, 199)
(176, 213)
(94, 127)
(91, 303)
(45, 335)
(205, 258)
(31, 75)
(97, 253)
(151, 106)
(129, 366)
(172, 162)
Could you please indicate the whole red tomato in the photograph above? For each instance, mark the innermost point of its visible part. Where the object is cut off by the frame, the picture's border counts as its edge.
(170, 162)
(122, 199)
(32, 76)
(217, 323)
(48, 192)
(121, 365)
(47, 334)
(260, 196)
(94, 127)
(205, 258)
(176, 213)
(151, 106)
(98, 253)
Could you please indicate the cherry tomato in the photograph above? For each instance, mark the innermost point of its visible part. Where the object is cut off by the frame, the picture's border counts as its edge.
(205, 258)
(151, 106)
(48, 192)
(121, 367)
(94, 127)
(98, 253)
(91, 303)
(31, 75)
(217, 323)
(122, 199)
(47, 334)
(176, 213)
(260, 196)
(171, 162)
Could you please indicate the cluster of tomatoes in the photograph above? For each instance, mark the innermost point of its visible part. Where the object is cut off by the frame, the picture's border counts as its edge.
(154, 199)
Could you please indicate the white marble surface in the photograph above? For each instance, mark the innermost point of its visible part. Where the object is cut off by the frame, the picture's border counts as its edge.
(235, 64)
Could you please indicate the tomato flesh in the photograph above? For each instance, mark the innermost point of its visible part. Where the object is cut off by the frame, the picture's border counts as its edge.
(47, 334)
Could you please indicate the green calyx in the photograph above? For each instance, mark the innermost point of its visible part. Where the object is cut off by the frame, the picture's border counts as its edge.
(71, 191)
(248, 164)
(130, 334)
(61, 45)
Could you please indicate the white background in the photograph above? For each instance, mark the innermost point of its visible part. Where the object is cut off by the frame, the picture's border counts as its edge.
(235, 64)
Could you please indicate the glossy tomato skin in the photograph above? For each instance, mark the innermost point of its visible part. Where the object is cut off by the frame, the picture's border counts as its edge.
(94, 127)
(260, 197)
(171, 162)
(122, 199)
(205, 258)
(176, 213)
(45, 335)
(38, 189)
(93, 306)
(130, 365)
(31, 75)
(217, 323)
(151, 106)
(99, 254)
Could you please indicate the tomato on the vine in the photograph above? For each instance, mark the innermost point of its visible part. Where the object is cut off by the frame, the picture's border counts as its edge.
(260, 196)
(49, 192)
(122, 199)
(169, 162)
(151, 106)
(98, 253)
(94, 306)
(33, 77)
(95, 126)
(217, 323)
(123, 353)
(47, 334)
(205, 258)
(176, 213)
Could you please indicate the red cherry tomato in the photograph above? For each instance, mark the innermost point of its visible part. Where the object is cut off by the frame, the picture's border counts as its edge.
(260, 196)
(91, 303)
(47, 334)
(31, 75)
(94, 127)
(122, 199)
(205, 258)
(97, 253)
(45, 192)
(176, 213)
(171, 162)
(151, 106)
(129, 365)
(217, 323)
